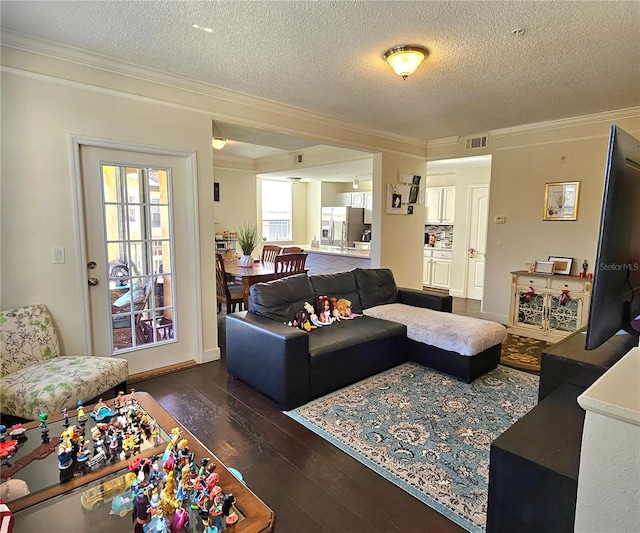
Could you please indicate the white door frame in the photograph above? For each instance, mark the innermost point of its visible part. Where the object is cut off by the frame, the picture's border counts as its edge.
(190, 158)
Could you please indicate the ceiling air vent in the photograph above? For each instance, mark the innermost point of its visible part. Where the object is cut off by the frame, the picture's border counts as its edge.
(297, 158)
(475, 143)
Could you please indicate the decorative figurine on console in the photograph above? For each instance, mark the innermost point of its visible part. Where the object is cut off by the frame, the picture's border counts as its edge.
(564, 297)
(525, 297)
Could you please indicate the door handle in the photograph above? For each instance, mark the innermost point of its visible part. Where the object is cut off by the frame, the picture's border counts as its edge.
(472, 253)
(93, 282)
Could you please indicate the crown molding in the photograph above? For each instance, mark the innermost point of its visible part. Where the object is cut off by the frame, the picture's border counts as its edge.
(582, 120)
(85, 58)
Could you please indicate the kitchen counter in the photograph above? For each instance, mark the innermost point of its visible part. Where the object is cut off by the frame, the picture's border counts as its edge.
(334, 250)
(332, 259)
(438, 246)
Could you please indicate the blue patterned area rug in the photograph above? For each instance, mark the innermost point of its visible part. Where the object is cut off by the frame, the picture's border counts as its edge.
(425, 431)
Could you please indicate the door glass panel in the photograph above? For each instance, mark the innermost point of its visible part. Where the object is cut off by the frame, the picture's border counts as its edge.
(140, 253)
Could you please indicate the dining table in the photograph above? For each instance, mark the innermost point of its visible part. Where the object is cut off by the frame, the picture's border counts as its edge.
(257, 273)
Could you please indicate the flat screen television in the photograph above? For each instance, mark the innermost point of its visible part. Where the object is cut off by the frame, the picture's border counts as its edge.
(615, 302)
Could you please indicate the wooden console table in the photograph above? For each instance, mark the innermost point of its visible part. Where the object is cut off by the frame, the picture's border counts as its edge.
(544, 315)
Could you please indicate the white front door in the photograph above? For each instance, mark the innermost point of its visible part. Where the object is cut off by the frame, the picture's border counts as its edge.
(138, 251)
(478, 219)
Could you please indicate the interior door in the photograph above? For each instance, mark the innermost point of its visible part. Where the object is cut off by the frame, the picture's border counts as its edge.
(478, 219)
(137, 247)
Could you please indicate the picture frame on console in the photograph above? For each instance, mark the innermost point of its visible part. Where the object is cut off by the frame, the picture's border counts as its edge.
(561, 200)
(562, 265)
(545, 267)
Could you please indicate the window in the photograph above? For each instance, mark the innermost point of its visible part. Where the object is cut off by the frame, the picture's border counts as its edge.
(276, 210)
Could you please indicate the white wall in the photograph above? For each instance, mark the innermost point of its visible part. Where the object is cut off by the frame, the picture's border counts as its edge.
(238, 198)
(38, 119)
(524, 159)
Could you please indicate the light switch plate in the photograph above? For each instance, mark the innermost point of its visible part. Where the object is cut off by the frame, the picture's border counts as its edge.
(57, 255)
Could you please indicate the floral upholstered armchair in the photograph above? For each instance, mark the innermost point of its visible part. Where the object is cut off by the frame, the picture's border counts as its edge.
(34, 378)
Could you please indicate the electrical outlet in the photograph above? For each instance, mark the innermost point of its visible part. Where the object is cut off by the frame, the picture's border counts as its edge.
(564, 158)
(498, 242)
(57, 255)
(501, 220)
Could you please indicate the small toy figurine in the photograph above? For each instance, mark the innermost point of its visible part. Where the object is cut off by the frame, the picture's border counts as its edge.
(564, 297)
(312, 314)
(302, 321)
(66, 454)
(82, 417)
(102, 411)
(229, 510)
(44, 418)
(585, 267)
(324, 310)
(3, 432)
(344, 308)
(65, 416)
(141, 511)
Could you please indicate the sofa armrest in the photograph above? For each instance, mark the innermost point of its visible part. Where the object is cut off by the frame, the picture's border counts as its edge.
(270, 356)
(426, 299)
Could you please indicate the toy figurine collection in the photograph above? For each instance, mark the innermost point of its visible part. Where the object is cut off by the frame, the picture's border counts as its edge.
(165, 493)
(117, 435)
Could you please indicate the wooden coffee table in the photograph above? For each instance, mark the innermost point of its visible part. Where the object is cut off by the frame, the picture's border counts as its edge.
(54, 506)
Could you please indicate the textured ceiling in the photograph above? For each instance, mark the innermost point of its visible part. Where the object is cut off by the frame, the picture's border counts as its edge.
(576, 57)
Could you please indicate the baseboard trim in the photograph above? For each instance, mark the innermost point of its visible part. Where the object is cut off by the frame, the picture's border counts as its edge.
(501, 319)
(141, 376)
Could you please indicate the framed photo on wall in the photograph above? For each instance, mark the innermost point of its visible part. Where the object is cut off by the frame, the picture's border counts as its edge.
(561, 200)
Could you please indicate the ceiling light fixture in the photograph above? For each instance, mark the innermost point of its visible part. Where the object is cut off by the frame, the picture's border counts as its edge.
(404, 60)
(355, 183)
(217, 139)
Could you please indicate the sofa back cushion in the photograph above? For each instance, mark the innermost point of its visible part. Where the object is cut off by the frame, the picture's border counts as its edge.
(281, 299)
(340, 285)
(376, 286)
(27, 337)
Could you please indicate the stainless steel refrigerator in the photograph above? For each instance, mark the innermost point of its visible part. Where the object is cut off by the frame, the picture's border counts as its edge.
(342, 226)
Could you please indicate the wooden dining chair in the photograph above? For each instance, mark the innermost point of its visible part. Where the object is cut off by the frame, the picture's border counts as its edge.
(289, 264)
(269, 252)
(230, 295)
(291, 250)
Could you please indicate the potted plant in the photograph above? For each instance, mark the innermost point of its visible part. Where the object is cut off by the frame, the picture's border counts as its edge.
(248, 238)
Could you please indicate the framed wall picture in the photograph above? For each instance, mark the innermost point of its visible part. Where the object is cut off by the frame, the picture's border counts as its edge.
(562, 264)
(561, 200)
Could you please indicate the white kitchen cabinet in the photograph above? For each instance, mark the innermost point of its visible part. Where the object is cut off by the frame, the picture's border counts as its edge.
(350, 199)
(436, 268)
(343, 199)
(368, 208)
(539, 310)
(440, 205)
(426, 270)
(448, 205)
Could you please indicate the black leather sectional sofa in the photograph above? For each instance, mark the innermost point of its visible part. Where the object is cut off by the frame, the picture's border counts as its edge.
(292, 366)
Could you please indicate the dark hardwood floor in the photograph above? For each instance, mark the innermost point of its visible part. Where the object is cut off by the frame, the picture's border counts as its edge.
(310, 484)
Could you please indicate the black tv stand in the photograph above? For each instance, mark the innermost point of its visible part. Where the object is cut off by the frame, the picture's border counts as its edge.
(533, 470)
(568, 362)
